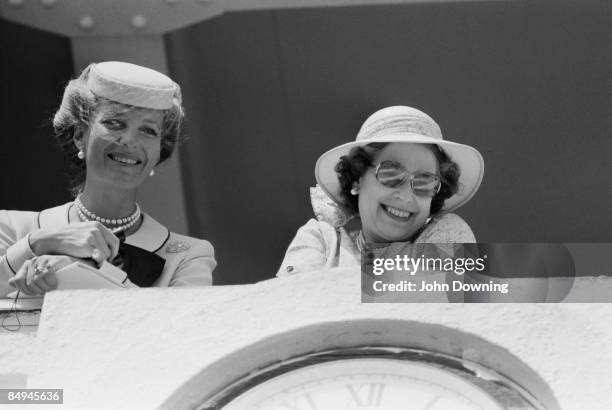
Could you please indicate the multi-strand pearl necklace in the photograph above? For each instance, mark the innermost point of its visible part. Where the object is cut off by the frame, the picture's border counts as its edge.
(116, 225)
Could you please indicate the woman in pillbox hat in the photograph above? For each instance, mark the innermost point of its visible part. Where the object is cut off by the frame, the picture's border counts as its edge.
(117, 121)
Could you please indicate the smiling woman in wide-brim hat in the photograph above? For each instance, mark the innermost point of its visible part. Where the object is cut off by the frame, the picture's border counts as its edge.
(407, 125)
(117, 122)
(397, 182)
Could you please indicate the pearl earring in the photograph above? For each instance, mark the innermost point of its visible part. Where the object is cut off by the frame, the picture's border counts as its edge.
(355, 190)
(81, 154)
(152, 173)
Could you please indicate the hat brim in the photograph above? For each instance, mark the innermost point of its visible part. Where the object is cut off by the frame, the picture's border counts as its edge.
(470, 162)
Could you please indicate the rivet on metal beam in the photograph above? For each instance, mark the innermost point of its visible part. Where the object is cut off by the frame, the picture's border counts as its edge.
(139, 22)
(48, 3)
(86, 23)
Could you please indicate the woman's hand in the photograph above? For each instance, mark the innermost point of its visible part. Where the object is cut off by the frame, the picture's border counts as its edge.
(37, 275)
(81, 240)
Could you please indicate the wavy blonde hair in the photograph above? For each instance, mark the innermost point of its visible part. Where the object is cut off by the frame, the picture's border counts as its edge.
(78, 107)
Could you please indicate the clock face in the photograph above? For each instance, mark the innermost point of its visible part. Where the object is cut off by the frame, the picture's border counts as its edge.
(369, 383)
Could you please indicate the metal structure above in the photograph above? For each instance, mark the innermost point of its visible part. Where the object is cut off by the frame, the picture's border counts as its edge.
(77, 18)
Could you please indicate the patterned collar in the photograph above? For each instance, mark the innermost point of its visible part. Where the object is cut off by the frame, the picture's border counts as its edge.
(151, 236)
(361, 243)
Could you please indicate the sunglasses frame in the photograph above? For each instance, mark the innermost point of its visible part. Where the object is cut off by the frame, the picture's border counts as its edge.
(410, 178)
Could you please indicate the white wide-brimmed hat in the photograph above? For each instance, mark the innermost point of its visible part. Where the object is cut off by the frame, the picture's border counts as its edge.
(406, 125)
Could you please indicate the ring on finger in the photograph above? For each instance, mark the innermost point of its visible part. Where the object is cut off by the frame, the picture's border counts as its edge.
(41, 270)
(96, 254)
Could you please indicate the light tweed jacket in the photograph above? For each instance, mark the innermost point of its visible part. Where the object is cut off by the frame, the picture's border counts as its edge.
(189, 261)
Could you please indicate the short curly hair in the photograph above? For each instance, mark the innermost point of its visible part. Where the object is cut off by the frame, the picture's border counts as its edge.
(77, 110)
(353, 166)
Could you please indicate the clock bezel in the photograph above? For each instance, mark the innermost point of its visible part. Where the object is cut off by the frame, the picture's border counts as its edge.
(502, 389)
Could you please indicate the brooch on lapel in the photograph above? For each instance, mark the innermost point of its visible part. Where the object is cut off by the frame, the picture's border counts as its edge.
(177, 246)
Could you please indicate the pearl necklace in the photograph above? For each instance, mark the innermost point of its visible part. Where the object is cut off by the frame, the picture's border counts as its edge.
(122, 224)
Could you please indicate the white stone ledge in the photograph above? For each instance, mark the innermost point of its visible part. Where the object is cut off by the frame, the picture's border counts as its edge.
(120, 349)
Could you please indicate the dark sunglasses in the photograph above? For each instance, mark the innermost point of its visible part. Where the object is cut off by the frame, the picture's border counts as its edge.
(393, 174)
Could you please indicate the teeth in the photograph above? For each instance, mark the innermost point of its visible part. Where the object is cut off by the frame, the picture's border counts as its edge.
(397, 212)
(124, 160)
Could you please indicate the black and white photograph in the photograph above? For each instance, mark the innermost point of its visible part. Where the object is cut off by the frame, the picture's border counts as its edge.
(306, 204)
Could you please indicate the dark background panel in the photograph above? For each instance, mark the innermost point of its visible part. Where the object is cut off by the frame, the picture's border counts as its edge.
(527, 83)
(238, 162)
(34, 69)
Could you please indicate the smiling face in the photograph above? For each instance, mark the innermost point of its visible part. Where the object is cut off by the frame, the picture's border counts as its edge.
(122, 144)
(395, 214)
